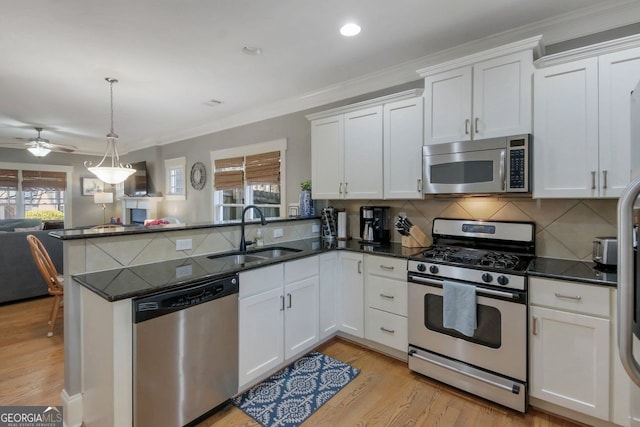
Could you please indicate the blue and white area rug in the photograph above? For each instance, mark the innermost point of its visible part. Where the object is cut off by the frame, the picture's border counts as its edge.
(291, 395)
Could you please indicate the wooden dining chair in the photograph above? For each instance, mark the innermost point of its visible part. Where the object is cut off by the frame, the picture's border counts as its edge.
(49, 274)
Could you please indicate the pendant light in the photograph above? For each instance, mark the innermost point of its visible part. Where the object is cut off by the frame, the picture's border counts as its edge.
(116, 173)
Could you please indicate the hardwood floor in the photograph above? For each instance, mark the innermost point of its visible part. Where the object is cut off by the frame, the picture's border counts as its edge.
(385, 393)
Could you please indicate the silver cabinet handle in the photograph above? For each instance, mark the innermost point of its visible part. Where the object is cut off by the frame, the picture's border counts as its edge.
(466, 127)
(281, 302)
(535, 325)
(383, 329)
(340, 189)
(604, 178)
(576, 297)
(419, 185)
(345, 188)
(476, 125)
(289, 297)
(359, 267)
(593, 180)
(386, 267)
(387, 296)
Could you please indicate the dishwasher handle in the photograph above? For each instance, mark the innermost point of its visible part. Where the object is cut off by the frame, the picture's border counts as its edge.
(192, 294)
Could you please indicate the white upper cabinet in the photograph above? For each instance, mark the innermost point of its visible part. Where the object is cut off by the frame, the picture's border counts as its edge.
(480, 96)
(347, 149)
(582, 139)
(402, 145)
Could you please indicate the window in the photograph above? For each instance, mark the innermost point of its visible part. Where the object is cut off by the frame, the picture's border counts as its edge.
(34, 191)
(249, 175)
(174, 170)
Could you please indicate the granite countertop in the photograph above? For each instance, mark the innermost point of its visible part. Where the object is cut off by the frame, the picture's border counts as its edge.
(579, 271)
(139, 280)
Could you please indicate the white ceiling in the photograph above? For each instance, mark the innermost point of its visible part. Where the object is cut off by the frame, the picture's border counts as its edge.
(172, 57)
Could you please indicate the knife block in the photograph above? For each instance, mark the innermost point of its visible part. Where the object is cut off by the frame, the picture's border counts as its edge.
(416, 239)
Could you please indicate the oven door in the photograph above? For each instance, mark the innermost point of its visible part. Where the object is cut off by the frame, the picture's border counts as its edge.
(465, 172)
(499, 343)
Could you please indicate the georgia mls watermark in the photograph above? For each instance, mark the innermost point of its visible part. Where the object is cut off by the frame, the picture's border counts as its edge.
(30, 416)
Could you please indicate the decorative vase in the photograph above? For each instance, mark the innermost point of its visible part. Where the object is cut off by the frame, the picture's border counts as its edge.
(306, 204)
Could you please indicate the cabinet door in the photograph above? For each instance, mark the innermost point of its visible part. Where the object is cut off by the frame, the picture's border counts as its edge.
(327, 157)
(565, 142)
(447, 109)
(619, 74)
(351, 299)
(301, 316)
(363, 154)
(570, 360)
(328, 294)
(502, 95)
(261, 334)
(402, 143)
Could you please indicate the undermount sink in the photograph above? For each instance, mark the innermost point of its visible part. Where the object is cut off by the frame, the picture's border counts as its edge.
(239, 258)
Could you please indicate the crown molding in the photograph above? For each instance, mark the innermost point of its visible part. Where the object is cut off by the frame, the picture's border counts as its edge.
(589, 51)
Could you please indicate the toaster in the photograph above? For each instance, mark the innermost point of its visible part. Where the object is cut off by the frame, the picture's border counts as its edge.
(605, 250)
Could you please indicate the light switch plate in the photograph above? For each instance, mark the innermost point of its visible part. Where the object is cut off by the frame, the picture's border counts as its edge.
(277, 232)
(315, 228)
(184, 244)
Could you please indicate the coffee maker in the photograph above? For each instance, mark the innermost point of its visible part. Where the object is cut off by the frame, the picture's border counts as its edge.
(375, 224)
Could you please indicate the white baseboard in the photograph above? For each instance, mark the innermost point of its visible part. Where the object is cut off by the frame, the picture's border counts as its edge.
(72, 409)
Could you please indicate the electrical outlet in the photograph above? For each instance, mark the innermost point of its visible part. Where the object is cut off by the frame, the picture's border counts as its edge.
(277, 232)
(184, 244)
(315, 228)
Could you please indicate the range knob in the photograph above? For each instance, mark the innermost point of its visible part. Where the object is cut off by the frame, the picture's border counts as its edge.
(486, 277)
(433, 269)
(421, 267)
(503, 280)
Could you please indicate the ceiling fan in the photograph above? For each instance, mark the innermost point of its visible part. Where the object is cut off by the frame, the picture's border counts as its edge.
(40, 147)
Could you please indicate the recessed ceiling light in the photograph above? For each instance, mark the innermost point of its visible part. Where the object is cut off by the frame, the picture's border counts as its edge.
(252, 50)
(213, 102)
(350, 30)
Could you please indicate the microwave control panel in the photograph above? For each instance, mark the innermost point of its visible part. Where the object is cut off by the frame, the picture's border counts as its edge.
(518, 164)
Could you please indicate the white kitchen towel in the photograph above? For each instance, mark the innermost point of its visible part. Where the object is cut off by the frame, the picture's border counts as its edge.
(459, 307)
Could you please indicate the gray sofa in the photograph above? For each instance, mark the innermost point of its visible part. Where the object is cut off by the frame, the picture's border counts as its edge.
(19, 276)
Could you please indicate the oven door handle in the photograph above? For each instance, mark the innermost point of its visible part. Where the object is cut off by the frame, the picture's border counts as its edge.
(515, 389)
(479, 291)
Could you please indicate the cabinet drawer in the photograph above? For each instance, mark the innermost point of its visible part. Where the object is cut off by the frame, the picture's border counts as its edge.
(571, 296)
(300, 269)
(386, 328)
(260, 280)
(394, 268)
(386, 294)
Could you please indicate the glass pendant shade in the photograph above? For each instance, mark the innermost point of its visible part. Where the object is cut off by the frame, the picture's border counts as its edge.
(39, 151)
(116, 173)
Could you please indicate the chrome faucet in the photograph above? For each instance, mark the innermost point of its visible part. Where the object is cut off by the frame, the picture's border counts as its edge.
(243, 243)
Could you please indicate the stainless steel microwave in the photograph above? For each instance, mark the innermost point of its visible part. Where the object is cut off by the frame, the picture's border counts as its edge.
(495, 165)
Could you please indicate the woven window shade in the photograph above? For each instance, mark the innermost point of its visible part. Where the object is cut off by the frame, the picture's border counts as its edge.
(43, 181)
(263, 168)
(8, 179)
(228, 173)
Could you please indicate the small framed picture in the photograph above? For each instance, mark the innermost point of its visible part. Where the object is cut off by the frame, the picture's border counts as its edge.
(90, 186)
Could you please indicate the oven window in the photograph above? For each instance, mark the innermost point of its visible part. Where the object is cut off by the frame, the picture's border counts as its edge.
(467, 172)
(489, 328)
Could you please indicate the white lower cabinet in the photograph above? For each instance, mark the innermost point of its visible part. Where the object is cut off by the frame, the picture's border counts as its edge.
(570, 345)
(328, 293)
(386, 301)
(351, 293)
(278, 316)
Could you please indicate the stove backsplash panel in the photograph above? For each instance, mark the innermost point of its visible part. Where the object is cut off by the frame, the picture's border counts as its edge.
(565, 228)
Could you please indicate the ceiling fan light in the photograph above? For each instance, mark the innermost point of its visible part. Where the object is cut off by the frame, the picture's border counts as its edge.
(39, 151)
(112, 175)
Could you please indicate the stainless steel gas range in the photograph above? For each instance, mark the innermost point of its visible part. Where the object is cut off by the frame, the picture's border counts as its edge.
(468, 308)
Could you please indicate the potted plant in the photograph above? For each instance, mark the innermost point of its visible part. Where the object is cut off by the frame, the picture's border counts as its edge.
(306, 203)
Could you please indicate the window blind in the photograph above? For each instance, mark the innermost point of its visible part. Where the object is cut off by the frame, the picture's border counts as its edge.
(263, 168)
(8, 179)
(43, 181)
(228, 173)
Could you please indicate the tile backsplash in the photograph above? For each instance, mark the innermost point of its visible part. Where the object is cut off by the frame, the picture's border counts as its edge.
(565, 228)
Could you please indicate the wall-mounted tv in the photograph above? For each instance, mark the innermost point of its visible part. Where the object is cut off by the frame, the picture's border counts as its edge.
(136, 184)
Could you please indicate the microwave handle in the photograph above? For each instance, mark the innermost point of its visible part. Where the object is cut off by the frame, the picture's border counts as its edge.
(503, 177)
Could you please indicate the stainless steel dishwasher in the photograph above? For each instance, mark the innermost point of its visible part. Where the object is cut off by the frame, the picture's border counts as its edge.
(185, 352)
